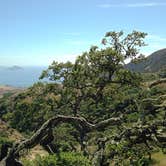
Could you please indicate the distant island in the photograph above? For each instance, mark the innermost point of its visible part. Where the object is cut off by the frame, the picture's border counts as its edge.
(15, 68)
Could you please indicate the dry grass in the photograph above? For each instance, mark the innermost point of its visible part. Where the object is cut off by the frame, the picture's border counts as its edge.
(32, 153)
(160, 159)
(10, 133)
(8, 89)
(14, 135)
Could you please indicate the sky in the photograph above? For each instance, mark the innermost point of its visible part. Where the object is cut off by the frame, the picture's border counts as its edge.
(36, 32)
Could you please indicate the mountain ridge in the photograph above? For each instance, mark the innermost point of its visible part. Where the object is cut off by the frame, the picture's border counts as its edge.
(152, 63)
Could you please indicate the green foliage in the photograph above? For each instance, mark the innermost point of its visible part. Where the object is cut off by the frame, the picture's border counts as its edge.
(30, 109)
(73, 159)
(64, 159)
(97, 86)
(87, 81)
(85, 88)
(5, 104)
(162, 73)
(4, 140)
(149, 76)
(42, 161)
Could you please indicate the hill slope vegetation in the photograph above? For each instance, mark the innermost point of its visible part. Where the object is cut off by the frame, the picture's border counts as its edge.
(100, 113)
(153, 63)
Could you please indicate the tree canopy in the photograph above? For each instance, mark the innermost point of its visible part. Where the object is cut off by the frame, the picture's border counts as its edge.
(94, 103)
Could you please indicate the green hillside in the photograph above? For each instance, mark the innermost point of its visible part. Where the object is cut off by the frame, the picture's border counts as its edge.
(92, 112)
(153, 63)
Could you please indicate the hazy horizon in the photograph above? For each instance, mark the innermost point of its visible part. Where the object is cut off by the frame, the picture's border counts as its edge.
(24, 77)
(22, 66)
(46, 66)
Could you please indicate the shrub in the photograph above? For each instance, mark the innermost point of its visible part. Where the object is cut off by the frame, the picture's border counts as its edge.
(72, 159)
(64, 159)
(5, 140)
(50, 160)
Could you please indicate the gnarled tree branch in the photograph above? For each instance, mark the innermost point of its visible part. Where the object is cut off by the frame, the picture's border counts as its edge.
(53, 122)
(157, 82)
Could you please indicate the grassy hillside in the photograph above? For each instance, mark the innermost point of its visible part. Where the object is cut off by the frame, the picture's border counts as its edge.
(8, 90)
(64, 134)
(8, 134)
(100, 113)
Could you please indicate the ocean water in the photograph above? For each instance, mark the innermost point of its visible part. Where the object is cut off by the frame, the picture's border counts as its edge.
(23, 77)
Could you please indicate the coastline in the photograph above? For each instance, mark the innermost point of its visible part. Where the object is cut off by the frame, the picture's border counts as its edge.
(9, 89)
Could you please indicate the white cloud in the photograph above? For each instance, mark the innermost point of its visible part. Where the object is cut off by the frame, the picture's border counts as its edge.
(153, 4)
(132, 5)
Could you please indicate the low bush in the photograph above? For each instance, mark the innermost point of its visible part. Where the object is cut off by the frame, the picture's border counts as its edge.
(63, 159)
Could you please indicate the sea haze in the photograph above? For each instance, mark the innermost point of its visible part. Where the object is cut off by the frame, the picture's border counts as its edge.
(20, 76)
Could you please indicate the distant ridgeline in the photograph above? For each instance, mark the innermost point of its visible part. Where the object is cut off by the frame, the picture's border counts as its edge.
(153, 63)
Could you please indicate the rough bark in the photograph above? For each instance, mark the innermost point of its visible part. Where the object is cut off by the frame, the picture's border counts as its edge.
(157, 82)
(11, 158)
